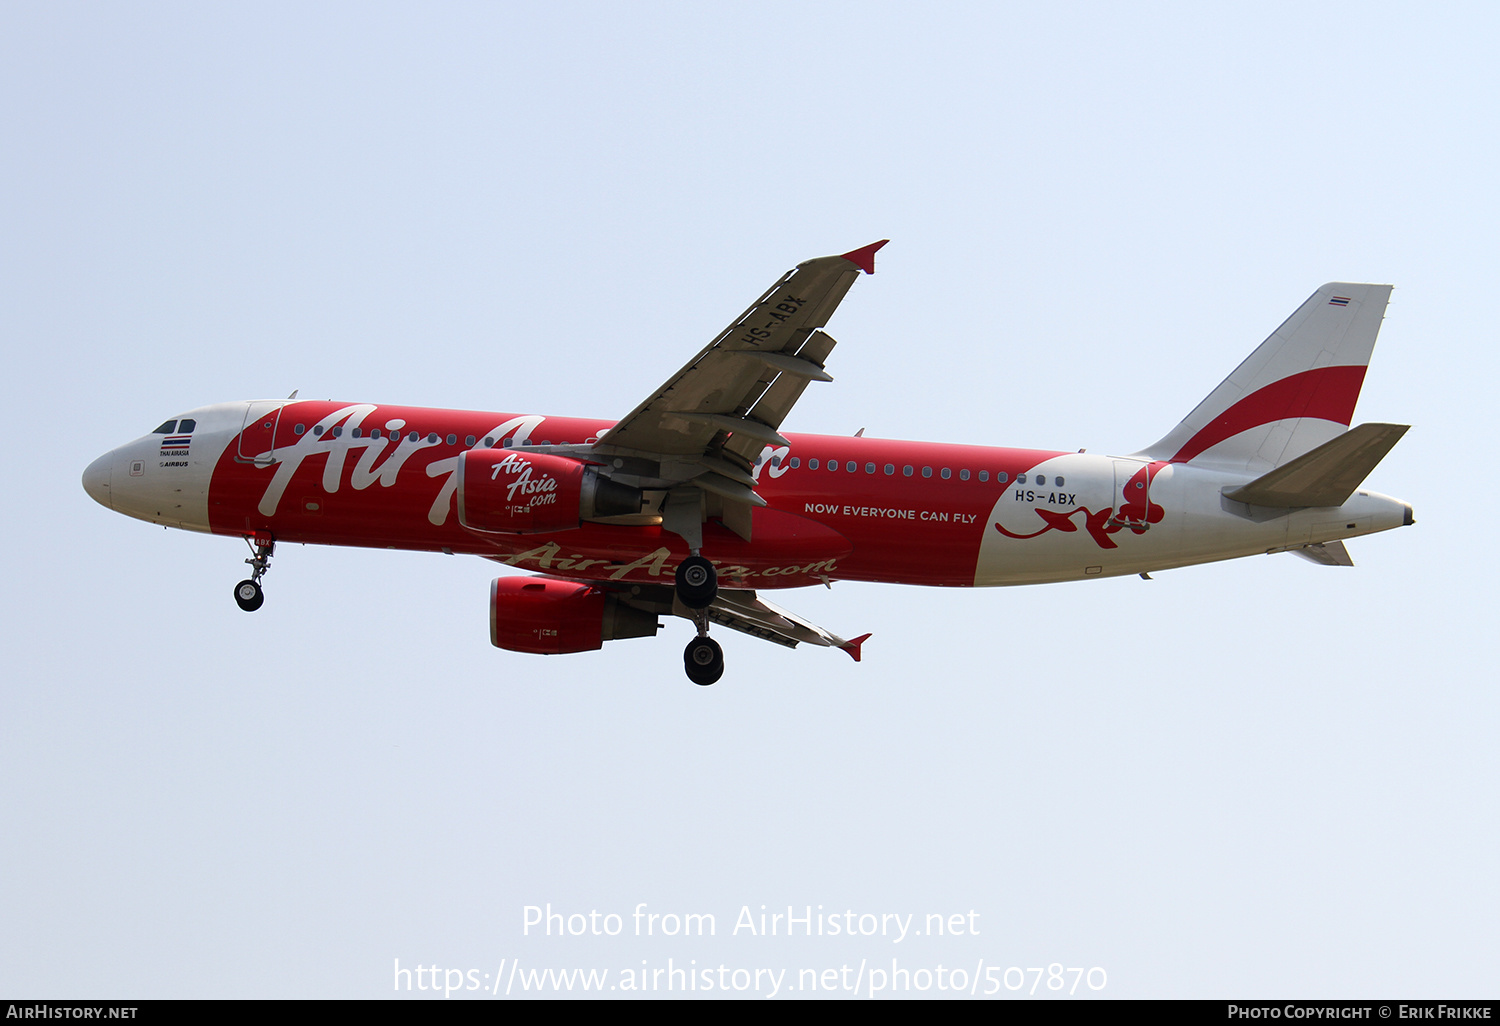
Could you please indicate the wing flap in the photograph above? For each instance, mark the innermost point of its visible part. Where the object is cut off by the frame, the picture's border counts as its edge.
(777, 400)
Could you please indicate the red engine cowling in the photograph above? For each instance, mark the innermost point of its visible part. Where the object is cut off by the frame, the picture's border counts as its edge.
(507, 492)
(550, 616)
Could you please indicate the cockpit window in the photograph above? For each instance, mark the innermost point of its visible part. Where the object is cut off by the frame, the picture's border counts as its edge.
(166, 429)
(185, 426)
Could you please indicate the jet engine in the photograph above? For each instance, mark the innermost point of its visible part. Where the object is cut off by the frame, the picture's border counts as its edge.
(551, 616)
(507, 492)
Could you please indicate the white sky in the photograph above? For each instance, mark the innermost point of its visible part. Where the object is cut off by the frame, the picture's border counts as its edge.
(1262, 778)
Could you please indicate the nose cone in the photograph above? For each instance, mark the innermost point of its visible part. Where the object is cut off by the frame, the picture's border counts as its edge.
(96, 479)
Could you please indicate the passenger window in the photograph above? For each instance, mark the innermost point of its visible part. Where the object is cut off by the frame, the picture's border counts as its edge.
(812, 464)
(1041, 479)
(1002, 477)
(1020, 479)
(833, 464)
(432, 436)
(906, 470)
(489, 443)
(947, 473)
(469, 440)
(926, 471)
(984, 475)
(356, 432)
(1058, 481)
(452, 439)
(166, 429)
(338, 431)
(796, 462)
(299, 429)
(869, 468)
(890, 468)
(963, 475)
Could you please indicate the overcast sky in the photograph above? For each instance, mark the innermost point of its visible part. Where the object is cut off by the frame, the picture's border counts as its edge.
(1259, 778)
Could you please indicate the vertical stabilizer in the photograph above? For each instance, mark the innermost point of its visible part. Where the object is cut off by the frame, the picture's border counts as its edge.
(1295, 392)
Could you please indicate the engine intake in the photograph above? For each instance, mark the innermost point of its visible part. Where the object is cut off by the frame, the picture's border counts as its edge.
(552, 616)
(506, 492)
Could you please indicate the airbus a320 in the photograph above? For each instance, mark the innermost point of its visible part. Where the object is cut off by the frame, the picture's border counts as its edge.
(696, 504)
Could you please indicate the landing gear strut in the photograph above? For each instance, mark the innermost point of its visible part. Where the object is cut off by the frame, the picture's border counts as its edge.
(248, 593)
(697, 587)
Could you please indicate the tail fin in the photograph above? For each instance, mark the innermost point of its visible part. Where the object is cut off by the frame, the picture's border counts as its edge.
(1295, 392)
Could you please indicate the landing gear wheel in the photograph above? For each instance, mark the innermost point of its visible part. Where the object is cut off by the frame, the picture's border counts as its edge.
(704, 660)
(248, 593)
(249, 596)
(697, 583)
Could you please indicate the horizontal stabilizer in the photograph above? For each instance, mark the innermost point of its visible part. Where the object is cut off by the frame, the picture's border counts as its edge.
(1327, 475)
(1330, 553)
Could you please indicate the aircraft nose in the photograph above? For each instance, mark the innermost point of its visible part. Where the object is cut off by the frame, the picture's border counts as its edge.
(96, 479)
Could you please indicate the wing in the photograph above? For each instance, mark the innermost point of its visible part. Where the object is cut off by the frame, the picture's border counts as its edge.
(707, 425)
(743, 611)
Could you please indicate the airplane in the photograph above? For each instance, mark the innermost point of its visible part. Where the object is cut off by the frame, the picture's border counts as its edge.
(695, 503)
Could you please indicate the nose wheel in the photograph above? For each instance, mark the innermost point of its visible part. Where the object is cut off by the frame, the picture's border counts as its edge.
(249, 596)
(248, 593)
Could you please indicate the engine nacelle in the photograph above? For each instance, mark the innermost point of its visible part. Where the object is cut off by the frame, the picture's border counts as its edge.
(551, 616)
(506, 492)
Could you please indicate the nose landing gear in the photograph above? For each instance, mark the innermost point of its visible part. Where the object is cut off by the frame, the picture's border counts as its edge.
(248, 593)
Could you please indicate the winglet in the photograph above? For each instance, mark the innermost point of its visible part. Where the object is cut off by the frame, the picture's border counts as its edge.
(852, 647)
(864, 259)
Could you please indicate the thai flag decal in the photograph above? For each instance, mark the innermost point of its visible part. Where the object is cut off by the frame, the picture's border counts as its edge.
(1339, 301)
(176, 442)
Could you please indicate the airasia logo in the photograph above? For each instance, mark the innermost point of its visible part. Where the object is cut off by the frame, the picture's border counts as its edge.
(540, 491)
(379, 461)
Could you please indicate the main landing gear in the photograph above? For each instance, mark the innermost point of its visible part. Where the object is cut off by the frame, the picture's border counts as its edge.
(697, 587)
(703, 660)
(697, 583)
(248, 593)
